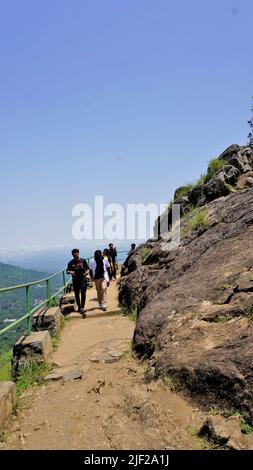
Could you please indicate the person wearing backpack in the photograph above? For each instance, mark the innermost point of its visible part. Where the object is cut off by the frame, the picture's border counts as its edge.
(99, 274)
(78, 268)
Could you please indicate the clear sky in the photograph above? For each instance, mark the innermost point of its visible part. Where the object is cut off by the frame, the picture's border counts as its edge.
(128, 99)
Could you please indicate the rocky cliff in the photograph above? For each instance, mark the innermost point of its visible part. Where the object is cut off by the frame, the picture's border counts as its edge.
(195, 303)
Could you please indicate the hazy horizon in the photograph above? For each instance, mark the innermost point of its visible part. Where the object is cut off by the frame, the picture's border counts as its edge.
(52, 259)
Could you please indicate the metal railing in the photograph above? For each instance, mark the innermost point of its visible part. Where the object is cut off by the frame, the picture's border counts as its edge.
(29, 312)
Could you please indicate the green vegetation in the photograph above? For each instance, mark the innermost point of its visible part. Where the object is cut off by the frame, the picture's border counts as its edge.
(184, 190)
(202, 179)
(131, 314)
(245, 427)
(168, 382)
(230, 188)
(53, 302)
(250, 122)
(222, 319)
(14, 275)
(31, 374)
(56, 339)
(169, 283)
(198, 221)
(205, 445)
(227, 286)
(192, 431)
(214, 165)
(144, 252)
(13, 304)
(214, 411)
(5, 366)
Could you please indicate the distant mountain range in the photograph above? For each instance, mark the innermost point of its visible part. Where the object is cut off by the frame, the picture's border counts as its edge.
(14, 275)
(51, 259)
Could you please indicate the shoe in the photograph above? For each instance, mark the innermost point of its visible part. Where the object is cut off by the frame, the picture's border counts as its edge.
(82, 311)
(100, 307)
(104, 308)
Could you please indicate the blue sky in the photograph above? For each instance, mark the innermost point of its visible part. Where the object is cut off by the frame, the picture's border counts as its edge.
(128, 99)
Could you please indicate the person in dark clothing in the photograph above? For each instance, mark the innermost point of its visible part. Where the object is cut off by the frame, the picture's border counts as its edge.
(125, 265)
(133, 248)
(113, 254)
(78, 268)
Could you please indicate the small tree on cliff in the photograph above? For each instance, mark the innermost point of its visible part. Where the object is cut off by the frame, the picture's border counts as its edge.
(250, 136)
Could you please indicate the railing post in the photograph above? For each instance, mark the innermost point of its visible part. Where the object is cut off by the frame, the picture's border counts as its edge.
(27, 301)
(64, 279)
(48, 292)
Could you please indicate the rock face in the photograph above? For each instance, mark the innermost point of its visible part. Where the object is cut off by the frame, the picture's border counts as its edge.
(195, 303)
(47, 319)
(37, 346)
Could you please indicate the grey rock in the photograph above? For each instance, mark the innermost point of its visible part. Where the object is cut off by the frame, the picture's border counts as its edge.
(73, 375)
(216, 187)
(67, 299)
(231, 174)
(54, 376)
(196, 195)
(230, 152)
(245, 282)
(67, 309)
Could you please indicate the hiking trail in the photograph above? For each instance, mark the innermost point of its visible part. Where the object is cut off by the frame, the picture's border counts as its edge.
(97, 397)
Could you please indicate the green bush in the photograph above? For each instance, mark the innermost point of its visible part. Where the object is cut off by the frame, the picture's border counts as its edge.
(169, 282)
(130, 314)
(245, 427)
(5, 366)
(199, 220)
(144, 252)
(214, 165)
(31, 374)
(184, 190)
(53, 302)
(202, 179)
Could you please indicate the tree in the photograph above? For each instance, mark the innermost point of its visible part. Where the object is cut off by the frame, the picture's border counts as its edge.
(250, 122)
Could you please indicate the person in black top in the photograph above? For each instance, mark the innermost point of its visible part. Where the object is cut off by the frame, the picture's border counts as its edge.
(133, 248)
(113, 254)
(78, 268)
(126, 262)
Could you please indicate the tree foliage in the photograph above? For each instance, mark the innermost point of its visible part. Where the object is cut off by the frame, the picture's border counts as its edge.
(250, 122)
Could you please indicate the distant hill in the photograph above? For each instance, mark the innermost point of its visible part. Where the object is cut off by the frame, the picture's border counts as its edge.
(13, 275)
(12, 304)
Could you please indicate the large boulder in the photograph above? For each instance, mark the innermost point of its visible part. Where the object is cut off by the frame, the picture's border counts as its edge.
(216, 187)
(196, 195)
(195, 305)
(230, 152)
(231, 174)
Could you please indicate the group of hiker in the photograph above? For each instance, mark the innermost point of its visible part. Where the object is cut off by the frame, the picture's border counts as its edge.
(102, 269)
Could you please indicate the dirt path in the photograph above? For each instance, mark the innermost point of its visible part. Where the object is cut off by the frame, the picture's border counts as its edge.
(110, 406)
